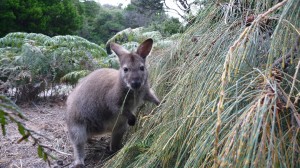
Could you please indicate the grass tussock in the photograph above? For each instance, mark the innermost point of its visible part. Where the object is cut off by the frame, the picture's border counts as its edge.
(230, 90)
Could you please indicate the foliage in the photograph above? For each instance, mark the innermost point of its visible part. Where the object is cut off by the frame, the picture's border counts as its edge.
(183, 7)
(230, 92)
(87, 19)
(130, 38)
(138, 14)
(31, 63)
(101, 22)
(74, 76)
(9, 112)
(168, 27)
(39, 16)
(108, 23)
(148, 7)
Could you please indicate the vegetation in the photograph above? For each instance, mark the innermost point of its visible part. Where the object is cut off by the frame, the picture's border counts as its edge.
(9, 112)
(39, 16)
(86, 19)
(34, 63)
(230, 90)
(229, 84)
(103, 22)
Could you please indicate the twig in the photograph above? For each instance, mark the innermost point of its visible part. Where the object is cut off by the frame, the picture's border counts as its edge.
(38, 107)
(171, 9)
(284, 98)
(293, 84)
(288, 56)
(66, 164)
(272, 9)
(53, 149)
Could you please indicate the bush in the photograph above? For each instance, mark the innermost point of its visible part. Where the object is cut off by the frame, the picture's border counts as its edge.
(31, 63)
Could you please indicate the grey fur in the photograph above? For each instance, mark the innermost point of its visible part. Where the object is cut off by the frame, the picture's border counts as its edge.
(94, 107)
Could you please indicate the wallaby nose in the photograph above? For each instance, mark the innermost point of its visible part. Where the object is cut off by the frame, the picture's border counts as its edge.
(135, 84)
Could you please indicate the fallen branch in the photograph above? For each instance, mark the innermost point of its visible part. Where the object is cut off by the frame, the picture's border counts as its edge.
(53, 149)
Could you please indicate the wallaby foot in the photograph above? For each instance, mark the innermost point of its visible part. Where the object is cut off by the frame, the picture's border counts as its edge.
(109, 151)
(79, 155)
(78, 137)
(116, 138)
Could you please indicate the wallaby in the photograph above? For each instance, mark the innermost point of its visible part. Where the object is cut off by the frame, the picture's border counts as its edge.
(105, 101)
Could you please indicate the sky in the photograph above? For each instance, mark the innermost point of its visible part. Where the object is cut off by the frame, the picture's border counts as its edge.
(114, 2)
(170, 3)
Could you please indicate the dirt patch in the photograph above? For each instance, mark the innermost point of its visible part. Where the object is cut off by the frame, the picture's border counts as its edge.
(48, 120)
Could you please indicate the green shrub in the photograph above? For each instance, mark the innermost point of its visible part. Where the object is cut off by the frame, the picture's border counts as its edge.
(32, 63)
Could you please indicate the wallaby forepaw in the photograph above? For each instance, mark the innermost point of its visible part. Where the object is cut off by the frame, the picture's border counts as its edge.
(132, 120)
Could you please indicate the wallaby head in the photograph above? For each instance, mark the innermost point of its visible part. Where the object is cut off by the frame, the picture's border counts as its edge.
(133, 72)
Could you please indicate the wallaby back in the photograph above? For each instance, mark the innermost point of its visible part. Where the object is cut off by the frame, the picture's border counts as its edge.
(105, 100)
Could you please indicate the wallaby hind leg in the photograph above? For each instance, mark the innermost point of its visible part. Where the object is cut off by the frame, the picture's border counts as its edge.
(116, 138)
(78, 136)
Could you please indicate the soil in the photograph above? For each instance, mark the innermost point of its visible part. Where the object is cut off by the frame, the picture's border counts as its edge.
(48, 120)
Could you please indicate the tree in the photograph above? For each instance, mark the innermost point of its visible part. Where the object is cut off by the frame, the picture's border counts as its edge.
(138, 15)
(167, 27)
(142, 12)
(108, 23)
(148, 7)
(161, 5)
(51, 17)
(101, 22)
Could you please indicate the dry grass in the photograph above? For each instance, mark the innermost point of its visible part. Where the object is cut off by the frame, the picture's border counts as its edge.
(225, 100)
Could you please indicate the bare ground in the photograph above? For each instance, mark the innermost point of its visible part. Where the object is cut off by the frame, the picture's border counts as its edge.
(47, 119)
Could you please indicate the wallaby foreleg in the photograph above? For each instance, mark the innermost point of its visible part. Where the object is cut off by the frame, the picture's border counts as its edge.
(151, 97)
(130, 117)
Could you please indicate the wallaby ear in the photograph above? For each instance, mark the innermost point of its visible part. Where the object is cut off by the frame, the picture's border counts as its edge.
(145, 48)
(118, 49)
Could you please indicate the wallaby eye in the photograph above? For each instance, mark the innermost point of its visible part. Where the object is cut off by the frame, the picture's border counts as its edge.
(142, 68)
(125, 69)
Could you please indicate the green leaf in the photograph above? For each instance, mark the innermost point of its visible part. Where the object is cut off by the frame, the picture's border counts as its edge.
(45, 157)
(2, 118)
(3, 129)
(40, 151)
(21, 129)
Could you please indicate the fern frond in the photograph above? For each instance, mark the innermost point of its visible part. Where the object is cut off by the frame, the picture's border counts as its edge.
(73, 77)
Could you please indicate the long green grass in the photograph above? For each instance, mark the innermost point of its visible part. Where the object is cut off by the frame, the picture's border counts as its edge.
(230, 97)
